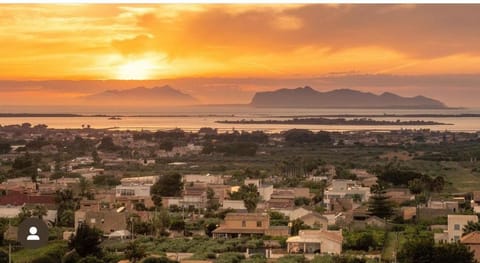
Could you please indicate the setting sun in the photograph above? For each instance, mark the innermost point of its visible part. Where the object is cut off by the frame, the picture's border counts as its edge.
(135, 70)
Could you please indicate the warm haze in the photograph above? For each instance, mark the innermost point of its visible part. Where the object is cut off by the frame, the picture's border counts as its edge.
(224, 53)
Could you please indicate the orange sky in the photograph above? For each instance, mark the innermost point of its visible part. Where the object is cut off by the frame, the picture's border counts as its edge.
(79, 42)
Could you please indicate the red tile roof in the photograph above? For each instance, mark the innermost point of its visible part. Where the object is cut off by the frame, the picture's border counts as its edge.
(15, 198)
(471, 238)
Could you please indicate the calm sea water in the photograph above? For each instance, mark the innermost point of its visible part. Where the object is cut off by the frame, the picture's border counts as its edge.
(193, 118)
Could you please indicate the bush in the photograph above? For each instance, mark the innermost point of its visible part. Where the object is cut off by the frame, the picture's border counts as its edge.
(230, 258)
(90, 259)
(337, 259)
(364, 240)
(292, 259)
(158, 260)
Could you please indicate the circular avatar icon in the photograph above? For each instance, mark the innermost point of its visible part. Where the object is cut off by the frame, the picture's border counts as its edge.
(33, 233)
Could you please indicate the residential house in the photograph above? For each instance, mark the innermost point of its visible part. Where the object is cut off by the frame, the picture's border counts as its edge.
(315, 220)
(11, 204)
(455, 228)
(132, 190)
(344, 204)
(294, 213)
(316, 241)
(238, 205)
(450, 205)
(472, 240)
(249, 224)
(108, 221)
(206, 179)
(139, 180)
(195, 196)
(341, 188)
(456, 224)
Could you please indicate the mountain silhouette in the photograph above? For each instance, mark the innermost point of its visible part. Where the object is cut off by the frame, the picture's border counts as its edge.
(307, 97)
(164, 95)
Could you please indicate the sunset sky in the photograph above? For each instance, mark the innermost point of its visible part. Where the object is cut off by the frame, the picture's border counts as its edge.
(408, 49)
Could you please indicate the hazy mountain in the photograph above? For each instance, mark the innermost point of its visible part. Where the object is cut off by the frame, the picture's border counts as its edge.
(340, 98)
(164, 95)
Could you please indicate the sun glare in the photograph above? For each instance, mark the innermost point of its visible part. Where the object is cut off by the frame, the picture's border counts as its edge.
(135, 70)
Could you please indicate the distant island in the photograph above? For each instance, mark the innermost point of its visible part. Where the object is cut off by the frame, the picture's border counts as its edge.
(336, 121)
(307, 97)
(164, 95)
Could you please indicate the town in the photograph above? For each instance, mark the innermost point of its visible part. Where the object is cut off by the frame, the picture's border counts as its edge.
(229, 197)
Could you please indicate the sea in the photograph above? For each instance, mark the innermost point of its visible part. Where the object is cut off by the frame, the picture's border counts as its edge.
(195, 117)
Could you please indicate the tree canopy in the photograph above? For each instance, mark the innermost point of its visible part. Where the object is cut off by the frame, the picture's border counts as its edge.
(167, 185)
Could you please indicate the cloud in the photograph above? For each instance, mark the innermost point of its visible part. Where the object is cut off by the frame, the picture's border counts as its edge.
(421, 31)
(91, 41)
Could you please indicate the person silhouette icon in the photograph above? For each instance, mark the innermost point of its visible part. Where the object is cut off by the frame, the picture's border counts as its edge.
(33, 233)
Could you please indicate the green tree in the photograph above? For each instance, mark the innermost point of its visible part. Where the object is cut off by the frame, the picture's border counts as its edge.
(26, 165)
(97, 161)
(39, 211)
(297, 225)
(230, 257)
(167, 185)
(453, 252)
(292, 259)
(107, 145)
(161, 221)
(471, 227)
(166, 145)
(108, 180)
(67, 204)
(24, 214)
(209, 229)
(423, 250)
(212, 202)
(278, 219)
(416, 186)
(90, 259)
(337, 259)
(4, 223)
(380, 204)
(134, 252)
(5, 148)
(158, 260)
(3, 256)
(85, 189)
(250, 196)
(417, 251)
(86, 241)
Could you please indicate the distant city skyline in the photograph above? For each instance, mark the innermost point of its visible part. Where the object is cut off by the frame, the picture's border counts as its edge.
(225, 53)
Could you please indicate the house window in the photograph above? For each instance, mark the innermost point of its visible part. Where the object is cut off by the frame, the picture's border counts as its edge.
(92, 221)
(259, 223)
(244, 224)
(456, 227)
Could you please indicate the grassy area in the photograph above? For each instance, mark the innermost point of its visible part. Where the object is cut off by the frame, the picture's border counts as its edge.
(391, 245)
(28, 255)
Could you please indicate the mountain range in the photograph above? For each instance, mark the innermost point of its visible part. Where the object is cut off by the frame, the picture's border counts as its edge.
(303, 97)
(307, 97)
(164, 95)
